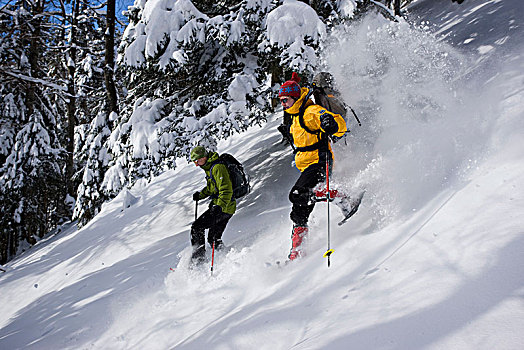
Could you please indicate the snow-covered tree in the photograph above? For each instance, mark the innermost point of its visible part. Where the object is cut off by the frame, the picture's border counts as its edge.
(197, 72)
(31, 182)
(51, 81)
(89, 195)
(192, 77)
(293, 35)
(91, 138)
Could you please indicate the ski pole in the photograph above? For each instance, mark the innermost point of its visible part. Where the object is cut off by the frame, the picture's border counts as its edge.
(212, 258)
(355, 115)
(196, 209)
(213, 247)
(329, 250)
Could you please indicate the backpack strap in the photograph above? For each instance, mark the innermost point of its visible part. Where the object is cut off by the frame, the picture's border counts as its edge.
(302, 110)
(322, 143)
(213, 196)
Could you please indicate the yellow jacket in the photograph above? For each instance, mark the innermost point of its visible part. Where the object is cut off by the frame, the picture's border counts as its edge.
(302, 138)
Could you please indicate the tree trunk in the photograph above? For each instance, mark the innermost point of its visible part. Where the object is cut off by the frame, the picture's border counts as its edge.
(397, 7)
(275, 79)
(34, 56)
(112, 101)
(71, 100)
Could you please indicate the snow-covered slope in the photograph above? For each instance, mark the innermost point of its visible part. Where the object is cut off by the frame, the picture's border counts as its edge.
(433, 260)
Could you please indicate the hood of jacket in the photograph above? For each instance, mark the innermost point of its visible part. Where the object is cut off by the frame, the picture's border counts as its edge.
(212, 157)
(296, 106)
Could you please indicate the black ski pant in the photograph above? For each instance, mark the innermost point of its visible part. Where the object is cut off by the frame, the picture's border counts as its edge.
(212, 219)
(301, 194)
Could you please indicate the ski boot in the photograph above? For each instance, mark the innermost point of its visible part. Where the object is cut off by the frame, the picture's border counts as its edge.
(198, 257)
(219, 245)
(297, 236)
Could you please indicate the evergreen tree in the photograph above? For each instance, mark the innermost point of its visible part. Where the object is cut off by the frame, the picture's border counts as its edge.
(193, 81)
(195, 73)
(31, 182)
(92, 138)
(90, 197)
(198, 72)
(291, 43)
(51, 82)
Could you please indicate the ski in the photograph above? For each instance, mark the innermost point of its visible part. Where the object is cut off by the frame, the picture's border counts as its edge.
(353, 210)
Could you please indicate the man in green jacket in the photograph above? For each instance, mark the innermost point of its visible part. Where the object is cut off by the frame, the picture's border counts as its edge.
(222, 207)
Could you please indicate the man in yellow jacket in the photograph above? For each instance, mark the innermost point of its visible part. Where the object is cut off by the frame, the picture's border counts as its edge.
(310, 129)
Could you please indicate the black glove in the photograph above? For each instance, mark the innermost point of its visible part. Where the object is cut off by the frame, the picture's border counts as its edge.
(196, 196)
(284, 130)
(335, 139)
(215, 210)
(328, 124)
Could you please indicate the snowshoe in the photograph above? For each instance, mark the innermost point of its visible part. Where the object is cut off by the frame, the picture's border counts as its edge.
(349, 207)
(198, 257)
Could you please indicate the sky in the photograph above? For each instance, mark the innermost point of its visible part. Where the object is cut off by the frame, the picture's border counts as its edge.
(432, 259)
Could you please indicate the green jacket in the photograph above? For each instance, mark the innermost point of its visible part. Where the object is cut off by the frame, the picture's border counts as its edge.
(222, 191)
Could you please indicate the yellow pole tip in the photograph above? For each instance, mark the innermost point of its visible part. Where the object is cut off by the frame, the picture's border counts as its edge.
(329, 252)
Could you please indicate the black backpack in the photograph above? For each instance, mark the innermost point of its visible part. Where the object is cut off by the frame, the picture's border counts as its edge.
(239, 178)
(326, 94)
